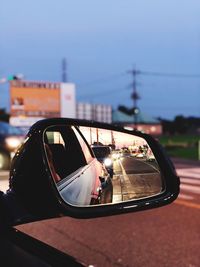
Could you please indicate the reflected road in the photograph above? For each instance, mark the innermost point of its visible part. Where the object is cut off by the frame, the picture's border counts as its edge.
(134, 178)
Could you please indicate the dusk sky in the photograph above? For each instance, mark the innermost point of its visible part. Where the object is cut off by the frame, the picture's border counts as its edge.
(101, 41)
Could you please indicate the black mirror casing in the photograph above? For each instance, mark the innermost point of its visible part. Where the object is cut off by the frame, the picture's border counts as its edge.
(31, 180)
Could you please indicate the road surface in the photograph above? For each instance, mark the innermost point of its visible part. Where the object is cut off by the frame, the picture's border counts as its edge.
(166, 236)
(135, 178)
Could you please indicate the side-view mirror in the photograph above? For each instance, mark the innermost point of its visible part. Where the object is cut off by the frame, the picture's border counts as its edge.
(88, 169)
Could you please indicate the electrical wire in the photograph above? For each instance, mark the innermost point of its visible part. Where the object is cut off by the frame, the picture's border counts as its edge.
(103, 80)
(171, 75)
(107, 92)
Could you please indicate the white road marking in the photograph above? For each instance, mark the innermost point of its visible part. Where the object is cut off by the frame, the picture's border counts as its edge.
(190, 188)
(190, 173)
(183, 196)
(190, 181)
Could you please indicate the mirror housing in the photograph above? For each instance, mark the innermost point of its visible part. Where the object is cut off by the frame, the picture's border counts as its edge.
(32, 183)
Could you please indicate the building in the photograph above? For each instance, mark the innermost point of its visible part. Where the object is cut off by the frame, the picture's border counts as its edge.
(96, 112)
(31, 101)
(145, 123)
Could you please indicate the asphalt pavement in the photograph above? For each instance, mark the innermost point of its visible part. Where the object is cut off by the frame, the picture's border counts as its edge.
(136, 178)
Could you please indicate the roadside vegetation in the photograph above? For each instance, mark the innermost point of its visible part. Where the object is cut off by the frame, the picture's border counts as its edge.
(181, 137)
(181, 146)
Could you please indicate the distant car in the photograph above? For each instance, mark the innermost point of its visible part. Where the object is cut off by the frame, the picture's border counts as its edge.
(10, 139)
(116, 154)
(150, 157)
(140, 156)
(103, 154)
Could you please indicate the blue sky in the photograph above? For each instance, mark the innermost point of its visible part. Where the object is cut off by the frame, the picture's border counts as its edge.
(101, 41)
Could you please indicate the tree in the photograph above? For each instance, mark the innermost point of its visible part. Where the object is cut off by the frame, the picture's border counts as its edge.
(180, 125)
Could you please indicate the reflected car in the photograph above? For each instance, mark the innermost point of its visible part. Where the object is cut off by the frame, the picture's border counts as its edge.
(10, 139)
(89, 185)
(116, 154)
(83, 180)
(140, 156)
(103, 154)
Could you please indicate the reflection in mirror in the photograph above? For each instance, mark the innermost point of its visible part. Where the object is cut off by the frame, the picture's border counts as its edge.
(93, 166)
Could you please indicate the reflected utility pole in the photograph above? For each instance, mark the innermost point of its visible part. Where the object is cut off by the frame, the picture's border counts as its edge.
(90, 136)
(112, 139)
(97, 135)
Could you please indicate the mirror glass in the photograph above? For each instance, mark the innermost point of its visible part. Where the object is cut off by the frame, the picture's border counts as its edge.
(93, 166)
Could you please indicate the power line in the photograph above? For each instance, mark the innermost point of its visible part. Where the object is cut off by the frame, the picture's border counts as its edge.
(113, 77)
(139, 72)
(134, 84)
(171, 75)
(107, 92)
(103, 79)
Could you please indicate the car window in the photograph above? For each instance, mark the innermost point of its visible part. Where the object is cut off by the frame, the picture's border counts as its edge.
(101, 152)
(54, 137)
(84, 146)
(66, 150)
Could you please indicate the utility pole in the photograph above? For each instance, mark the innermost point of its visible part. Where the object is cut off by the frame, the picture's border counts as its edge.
(135, 96)
(64, 70)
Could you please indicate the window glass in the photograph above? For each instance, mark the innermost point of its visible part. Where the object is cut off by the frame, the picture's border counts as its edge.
(65, 152)
(54, 138)
(84, 146)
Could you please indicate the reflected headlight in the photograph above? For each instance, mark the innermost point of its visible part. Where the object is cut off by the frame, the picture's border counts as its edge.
(108, 162)
(98, 189)
(13, 142)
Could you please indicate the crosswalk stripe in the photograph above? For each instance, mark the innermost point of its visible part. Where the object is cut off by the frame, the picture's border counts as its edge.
(187, 204)
(189, 173)
(194, 170)
(190, 188)
(190, 181)
(190, 184)
(183, 196)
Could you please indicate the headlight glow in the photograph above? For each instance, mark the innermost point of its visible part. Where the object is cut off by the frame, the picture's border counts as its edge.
(13, 142)
(108, 162)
